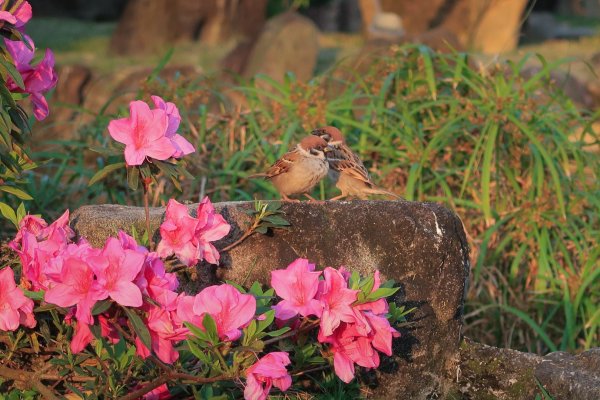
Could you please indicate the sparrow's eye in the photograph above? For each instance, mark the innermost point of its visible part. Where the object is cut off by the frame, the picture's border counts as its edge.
(315, 152)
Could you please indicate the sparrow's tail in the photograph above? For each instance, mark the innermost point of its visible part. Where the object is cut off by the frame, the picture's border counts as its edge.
(376, 190)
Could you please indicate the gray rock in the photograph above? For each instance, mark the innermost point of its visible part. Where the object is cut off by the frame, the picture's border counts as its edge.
(288, 42)
(422, 246)
(567, 376)
(486, 372)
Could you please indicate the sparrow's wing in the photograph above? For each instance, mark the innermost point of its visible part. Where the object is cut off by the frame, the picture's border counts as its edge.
(346, 161)
(282, 165)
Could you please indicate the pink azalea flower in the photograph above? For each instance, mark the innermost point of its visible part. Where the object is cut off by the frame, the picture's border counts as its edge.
(382, 333)
(38, 79)
(230, 309)
(107, 330)
(160, 393)
(165, 329)
(182, 146)
(82, 337)
(177, 234)
(15, 308)
(19, 17)
(143, 134)
(190, 238)
(297, 285)
(267, 372)
(211, 227)
(77, 287)
(336, 299)
(115, 270)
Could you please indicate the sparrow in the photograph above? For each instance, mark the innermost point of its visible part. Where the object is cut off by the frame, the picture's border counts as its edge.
(300, 169)
(345, 167)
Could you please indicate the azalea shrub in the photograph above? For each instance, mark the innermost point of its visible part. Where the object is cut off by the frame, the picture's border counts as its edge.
(113, 318)
(21, 78)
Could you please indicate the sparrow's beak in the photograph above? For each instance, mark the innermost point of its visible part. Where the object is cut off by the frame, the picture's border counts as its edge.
(327, 149)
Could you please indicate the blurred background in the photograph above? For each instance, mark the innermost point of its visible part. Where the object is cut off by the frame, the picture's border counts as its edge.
(490, 107)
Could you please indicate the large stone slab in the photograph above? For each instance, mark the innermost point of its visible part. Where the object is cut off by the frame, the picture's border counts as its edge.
(422, 246)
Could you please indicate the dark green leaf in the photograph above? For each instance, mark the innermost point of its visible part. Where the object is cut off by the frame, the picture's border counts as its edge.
(211, 328)
(13, 72)
(103, 173)
(139, 327)
(101, 307)
(279, 332)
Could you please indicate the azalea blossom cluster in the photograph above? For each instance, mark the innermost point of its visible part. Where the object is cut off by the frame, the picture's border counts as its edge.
(90, 282)
(190, 238)
(150, 133)
(38, 79)
(354, 330)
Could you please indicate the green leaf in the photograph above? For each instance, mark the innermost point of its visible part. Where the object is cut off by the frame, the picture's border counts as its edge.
(211, 328)
(17, 192)
(276, 220)
(101, 307)
(9, 214)
(269, 318)
(139, 327)
(279, 332)
(39, 295)
(21, 212)
(262, 229)
(13, 72)
(382, 292)
(103, 173)
(133, 177)
(197, 332)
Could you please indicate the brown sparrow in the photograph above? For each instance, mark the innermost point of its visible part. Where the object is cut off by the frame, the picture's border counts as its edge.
(345, 167)
(300, 169)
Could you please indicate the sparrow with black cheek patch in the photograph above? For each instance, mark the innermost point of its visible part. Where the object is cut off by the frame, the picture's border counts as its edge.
(300, 169)
(345, 167)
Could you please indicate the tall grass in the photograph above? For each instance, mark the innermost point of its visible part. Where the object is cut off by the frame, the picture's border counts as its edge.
(511, 155)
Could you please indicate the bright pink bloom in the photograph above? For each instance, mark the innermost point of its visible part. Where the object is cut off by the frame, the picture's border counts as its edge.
(267, 372)
(297, 285)
(177, 234)
(19, 17)
(190, 238)
(182, 146)
(336, 299)
(211, 227)
(15, 308)
(160, 393)
(76, 287)
(164, 330)
(38, 79)
(382, 333)
(350, 345)
(143, 134)
(116, 268)
(82, 337)
(230, 309)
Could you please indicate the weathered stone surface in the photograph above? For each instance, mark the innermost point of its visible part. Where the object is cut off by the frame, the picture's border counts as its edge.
(421, 246)
(566, 376)
(486, 372)
(288, 42)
